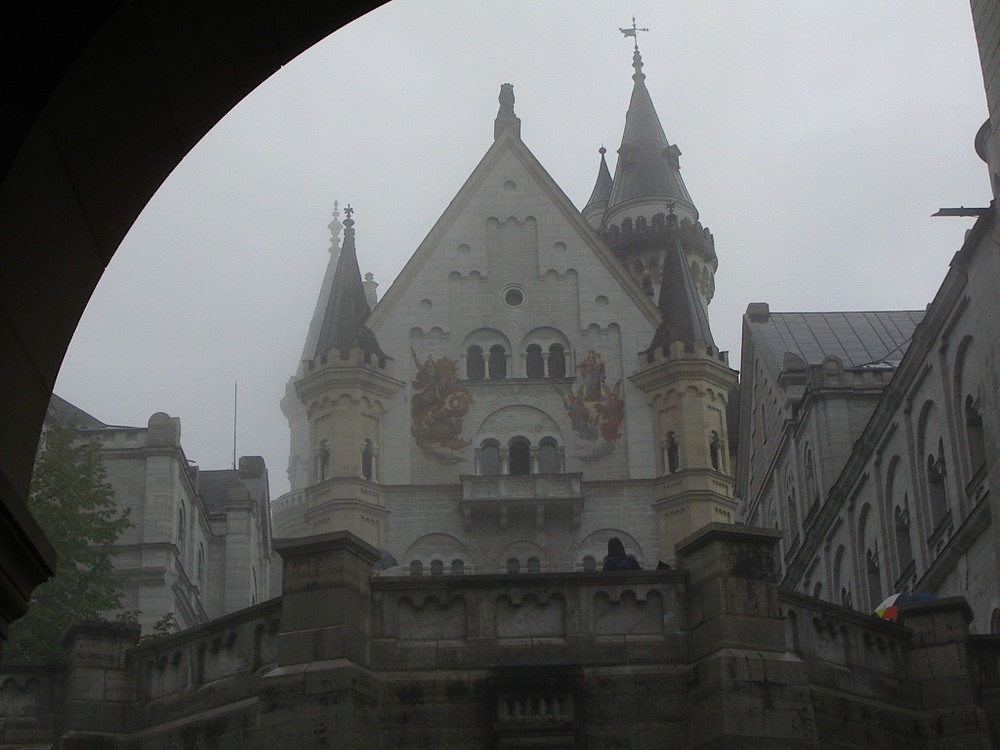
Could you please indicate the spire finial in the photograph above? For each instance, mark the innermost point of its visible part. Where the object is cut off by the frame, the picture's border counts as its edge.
(349, 225)
(335, 226)
(633, 32)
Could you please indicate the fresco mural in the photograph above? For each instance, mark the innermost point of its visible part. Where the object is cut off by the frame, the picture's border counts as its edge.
(437, 408)
(596, 411)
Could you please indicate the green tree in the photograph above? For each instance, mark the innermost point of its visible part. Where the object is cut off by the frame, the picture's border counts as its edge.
(74, 504)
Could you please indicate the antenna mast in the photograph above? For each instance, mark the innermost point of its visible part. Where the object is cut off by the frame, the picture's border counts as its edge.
(235, 401)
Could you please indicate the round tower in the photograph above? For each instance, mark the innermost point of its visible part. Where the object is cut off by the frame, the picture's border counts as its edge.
(648, 205)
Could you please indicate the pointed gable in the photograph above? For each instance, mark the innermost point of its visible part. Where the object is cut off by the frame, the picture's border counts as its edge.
(489, 189)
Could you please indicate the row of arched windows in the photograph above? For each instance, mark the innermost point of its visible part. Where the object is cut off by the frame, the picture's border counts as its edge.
(493, 365)
(520, 457)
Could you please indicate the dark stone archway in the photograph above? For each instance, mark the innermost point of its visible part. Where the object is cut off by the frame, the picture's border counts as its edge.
(101, 102)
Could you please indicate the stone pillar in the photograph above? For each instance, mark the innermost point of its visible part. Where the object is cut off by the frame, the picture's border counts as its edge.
(326, 598)
(322, 692)
(939, 662)
(97, 686)
(745, 686)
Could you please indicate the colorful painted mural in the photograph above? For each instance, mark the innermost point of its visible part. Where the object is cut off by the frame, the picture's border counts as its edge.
(437, 408)
(596, 411)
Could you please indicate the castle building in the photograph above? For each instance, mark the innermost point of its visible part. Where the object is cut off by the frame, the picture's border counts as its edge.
(872, 439)
(540, 379)
(200, 542)
(536, 381)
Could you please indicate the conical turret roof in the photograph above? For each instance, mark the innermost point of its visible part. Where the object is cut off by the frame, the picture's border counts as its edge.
(347, 308)
(648, 165)
(684, 315)
(602, 188)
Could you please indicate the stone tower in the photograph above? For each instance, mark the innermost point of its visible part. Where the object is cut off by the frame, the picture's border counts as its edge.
(344, 388)
(649, 221)
(633, 209)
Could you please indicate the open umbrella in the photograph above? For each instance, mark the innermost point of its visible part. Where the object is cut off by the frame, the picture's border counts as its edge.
(889, 609)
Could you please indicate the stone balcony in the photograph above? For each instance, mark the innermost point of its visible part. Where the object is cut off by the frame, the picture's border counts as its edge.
(495, 498)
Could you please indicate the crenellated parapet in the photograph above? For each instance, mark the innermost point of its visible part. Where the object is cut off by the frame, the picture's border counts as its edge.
(628, 233)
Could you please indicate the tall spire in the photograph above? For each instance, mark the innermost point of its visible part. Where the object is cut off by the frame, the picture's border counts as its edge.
(648, 165)
(346, 308)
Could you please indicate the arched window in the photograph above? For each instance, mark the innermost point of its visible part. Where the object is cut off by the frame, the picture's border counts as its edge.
(520, 456)
(181, 531)
(534, 565)
(498, 362)
(416, 568)
(368, 460)
(974, 435)
(589, 564)
(534, 364)
(513, 565)
(812, 490)
(323, 460)
(936, 489)
(557, 361)
(475, 367)
(904, 545)
(671, 453)
(201, 567)
(548, 457)
(437, 568)
(874, 578)
(457, 567)
(489, 457)
(715, 448)
(793, 515)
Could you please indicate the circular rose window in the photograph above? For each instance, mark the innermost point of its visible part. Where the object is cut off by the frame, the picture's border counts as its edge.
(513, 296)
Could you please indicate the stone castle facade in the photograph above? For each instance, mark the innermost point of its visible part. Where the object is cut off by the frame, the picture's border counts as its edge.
(538, 380)
(200, 542)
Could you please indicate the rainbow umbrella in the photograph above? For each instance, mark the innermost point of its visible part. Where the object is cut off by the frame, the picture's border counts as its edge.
(889, 609)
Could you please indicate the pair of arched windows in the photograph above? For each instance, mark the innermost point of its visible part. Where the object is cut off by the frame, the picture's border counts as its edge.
(514, 565)
(520, 458)
(480, 365)
(672, 454)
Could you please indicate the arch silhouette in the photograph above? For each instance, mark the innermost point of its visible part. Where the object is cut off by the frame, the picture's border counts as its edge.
(90, 143)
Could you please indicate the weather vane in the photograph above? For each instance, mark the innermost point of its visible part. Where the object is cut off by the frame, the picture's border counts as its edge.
(633, 32)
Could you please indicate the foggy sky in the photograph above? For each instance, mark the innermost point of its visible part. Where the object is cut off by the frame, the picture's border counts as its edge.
(816, 137)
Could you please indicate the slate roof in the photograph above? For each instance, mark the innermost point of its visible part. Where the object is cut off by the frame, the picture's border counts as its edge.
(63, 412)
(858, 339)
(602, 188)
(647, 164)
(347, 309)
(684, 315)
(213, 486)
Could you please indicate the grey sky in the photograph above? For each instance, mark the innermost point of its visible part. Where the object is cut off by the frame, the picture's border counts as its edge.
(817, 139)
